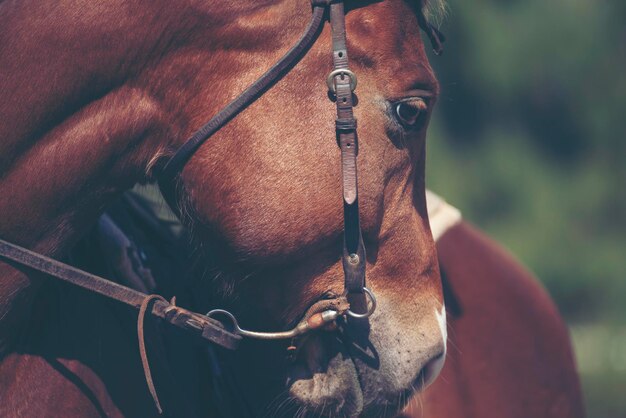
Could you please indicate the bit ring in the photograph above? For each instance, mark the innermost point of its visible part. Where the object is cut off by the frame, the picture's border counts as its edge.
(227, 314)
(371, 307)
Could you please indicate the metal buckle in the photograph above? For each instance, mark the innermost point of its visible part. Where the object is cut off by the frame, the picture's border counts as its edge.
(330, 80)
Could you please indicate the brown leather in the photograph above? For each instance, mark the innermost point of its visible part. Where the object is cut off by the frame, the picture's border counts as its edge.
(194, 323)
(353, 257)
(142, 347)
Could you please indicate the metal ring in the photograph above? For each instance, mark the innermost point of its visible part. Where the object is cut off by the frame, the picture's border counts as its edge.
(370, 309)
(278, 335)
(226, 313)
(330, 80)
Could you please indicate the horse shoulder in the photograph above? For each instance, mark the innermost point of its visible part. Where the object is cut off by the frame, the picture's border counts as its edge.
(509, 351)
(32, 385)
(76, 357)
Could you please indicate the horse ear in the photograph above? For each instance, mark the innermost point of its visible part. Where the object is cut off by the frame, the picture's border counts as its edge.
(436, 37)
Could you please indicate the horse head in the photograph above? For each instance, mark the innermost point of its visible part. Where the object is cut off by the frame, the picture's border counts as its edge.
(263, 196)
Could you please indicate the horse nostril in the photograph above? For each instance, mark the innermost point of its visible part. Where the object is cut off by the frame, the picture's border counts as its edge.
(431, 370)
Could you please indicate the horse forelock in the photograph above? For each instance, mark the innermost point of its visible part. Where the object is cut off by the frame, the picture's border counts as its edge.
(435, 10)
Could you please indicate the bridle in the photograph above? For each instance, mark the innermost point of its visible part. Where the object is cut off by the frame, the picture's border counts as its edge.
(341, 82)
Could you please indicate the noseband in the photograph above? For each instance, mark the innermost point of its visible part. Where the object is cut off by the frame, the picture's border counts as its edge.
(341, 83)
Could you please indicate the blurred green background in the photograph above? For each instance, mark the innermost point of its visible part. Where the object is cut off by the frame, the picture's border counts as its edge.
(529, 141)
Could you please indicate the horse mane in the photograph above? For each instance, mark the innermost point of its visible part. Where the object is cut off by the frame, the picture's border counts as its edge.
(435, 10)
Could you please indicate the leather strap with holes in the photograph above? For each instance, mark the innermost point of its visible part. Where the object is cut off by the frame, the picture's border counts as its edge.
(343, 84)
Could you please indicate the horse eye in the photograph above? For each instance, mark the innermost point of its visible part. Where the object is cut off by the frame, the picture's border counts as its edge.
(409, 111)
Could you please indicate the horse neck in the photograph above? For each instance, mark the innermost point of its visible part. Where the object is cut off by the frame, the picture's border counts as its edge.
(98, 108)
(75, 133)
(86, 122)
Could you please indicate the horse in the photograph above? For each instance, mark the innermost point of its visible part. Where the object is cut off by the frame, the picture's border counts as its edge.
(510, 351)
(96, 98)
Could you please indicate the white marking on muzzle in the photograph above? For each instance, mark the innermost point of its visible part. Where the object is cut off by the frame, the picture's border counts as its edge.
(441, 320)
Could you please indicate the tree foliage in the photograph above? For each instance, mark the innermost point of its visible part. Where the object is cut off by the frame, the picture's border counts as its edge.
(528, 140)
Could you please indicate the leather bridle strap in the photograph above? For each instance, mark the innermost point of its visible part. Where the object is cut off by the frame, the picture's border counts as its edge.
(143, 352)
(342, 82)
(198, 324)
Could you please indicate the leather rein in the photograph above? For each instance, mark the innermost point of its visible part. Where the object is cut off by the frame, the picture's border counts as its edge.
(341, 83)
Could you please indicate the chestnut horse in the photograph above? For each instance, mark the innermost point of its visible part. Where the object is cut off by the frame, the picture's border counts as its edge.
(509, 351)
(95, 97)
